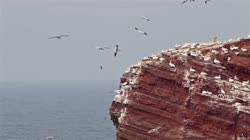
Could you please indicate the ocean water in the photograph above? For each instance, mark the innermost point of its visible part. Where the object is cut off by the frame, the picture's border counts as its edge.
(69, 110)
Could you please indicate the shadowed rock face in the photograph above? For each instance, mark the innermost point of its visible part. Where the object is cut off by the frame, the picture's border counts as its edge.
(206, 96)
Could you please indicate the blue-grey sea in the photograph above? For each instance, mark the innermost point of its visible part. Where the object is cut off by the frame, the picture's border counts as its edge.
(69, 110)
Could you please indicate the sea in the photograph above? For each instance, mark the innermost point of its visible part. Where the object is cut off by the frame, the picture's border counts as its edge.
(69, 110)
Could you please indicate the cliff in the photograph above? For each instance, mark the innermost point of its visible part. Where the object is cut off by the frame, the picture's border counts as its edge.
(198, 91)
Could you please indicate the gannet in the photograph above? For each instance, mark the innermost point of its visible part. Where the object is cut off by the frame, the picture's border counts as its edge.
(228, 59)
(102, 48)
(224, 49)
(49, 138)
(206, 1)
(193, 54)
(206, 92)
(184, 1)
(222, 91)
(244, 83)
(192, 70)
(215, 52)
(162, 59)
(230, 80)
(116, 50)
(234, 48)
(58, 37)
(217, 77)
(216, 61)
(171, 64)
(207, 58)
(244, 50)
(147, 19)
(203, 73)
(140, 31)
(155, 130)
(237, 53)
(236, 78)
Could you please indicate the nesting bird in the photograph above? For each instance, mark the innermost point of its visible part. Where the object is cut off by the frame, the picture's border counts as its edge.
(203, 73)
(217, 77)
(215, 52)
(216, 61)
(244, 50)
(222, 91)
(171, 64)
(234, 48)
(192, 70)
(207, 59)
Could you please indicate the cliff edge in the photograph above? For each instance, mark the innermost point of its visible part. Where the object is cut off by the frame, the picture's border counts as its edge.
(196, 91)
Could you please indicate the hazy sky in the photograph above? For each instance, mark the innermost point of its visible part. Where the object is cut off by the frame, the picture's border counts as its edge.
(26, 53)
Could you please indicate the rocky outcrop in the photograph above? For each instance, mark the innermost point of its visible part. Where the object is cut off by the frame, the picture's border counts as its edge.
(196, 91)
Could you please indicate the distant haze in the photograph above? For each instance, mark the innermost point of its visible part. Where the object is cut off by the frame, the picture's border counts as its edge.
(26, 53)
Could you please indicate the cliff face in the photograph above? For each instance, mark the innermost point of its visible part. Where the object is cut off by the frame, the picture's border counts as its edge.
(193, 92)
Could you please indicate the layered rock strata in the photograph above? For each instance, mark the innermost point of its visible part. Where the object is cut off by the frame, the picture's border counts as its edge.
(196, 91)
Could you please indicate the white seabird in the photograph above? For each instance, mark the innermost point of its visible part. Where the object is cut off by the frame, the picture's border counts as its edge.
(102, 48)
(207, 59)
(237, 53)
(217, 77)
(203, 73)
(234, 48)
(236, 78)
(216, 61)
(58, 37)
(228, 59)
(222, 91)
(231, 80)
(140, 31)
(215, 52)
(171, 64)
(244, 50)
(49, 138)
(145, 18)
(192, 70)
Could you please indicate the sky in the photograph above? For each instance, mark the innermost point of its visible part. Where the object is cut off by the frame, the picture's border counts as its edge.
(26, 53)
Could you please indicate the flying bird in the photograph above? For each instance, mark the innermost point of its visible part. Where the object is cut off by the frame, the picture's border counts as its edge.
(184, 1)
(206, 1)
(116, 50)
(140, 31)
(58, 37)
(102, 48)
(147, 19)
(49, 138)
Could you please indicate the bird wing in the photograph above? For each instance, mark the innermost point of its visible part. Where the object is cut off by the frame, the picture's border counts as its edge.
(53, 37)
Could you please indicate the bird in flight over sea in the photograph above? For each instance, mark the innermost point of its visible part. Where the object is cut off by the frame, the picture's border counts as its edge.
(49, 138)
(206, 1)
(187, 0)
(145, 18)
(58, 37)
(140, 31)
(102, 48)
(116, 50)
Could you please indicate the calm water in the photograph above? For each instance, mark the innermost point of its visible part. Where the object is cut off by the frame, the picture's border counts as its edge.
(70, 110)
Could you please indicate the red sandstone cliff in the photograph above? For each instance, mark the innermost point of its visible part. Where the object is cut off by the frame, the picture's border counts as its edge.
(206, 96)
